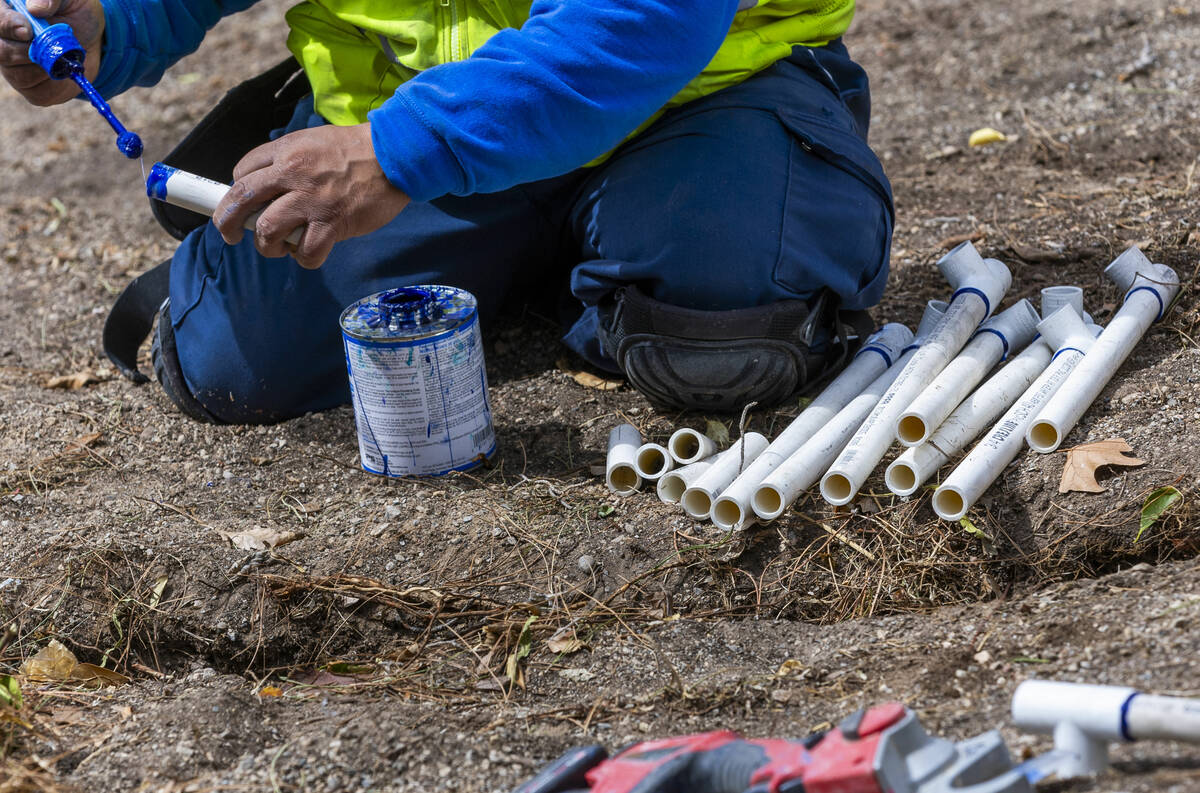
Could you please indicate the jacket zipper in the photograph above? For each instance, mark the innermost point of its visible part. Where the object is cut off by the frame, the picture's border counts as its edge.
(455, 53)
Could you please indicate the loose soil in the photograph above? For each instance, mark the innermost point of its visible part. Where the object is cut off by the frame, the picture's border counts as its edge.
(382, 649)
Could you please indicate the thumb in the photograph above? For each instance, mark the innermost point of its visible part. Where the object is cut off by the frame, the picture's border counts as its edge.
(43, 8)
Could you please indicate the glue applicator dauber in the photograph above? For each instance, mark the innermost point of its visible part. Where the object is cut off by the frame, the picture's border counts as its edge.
(189, 191)
(59, 53)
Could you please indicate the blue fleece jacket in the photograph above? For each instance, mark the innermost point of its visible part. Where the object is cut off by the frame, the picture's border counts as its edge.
(529, 104)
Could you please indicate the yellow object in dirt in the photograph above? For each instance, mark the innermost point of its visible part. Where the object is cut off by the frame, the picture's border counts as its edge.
(986, 136)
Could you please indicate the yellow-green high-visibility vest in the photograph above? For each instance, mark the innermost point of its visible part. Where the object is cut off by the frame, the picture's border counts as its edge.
(357, 52)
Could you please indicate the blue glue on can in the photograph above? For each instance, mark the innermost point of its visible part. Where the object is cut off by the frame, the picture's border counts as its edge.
(414, 356)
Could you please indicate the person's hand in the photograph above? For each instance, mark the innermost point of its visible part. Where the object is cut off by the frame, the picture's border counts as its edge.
(325, 180)
(86, 18)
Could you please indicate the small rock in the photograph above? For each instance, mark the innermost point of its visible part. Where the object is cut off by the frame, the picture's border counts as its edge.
(586, 563)
(392, 511)
(983, 657)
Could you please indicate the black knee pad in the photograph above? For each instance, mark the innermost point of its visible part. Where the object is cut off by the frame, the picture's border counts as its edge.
(722, 360)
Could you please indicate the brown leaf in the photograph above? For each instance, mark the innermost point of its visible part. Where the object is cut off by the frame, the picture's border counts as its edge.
(1079, 473)
(72, 382)
(564, 643)
(84, 441)
(587, 379)
(97, 676)
(260, 539)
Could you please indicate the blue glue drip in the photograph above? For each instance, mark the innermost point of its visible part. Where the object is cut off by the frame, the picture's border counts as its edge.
(156, 182)
(128, 143)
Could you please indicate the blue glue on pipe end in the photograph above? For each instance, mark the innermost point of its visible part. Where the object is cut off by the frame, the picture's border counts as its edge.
(156, 181)
(130, 145)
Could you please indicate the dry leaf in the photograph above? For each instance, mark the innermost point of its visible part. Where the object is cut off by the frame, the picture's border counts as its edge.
(270, 691)
(52, 662)
(72, 382)
(260, 539)
(56, 663)
(1079, 473)
(97, 676)
(587, 379)
(564, 644)
(84, 442)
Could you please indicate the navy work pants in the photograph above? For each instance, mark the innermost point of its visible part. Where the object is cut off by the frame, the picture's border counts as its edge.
(761, 192)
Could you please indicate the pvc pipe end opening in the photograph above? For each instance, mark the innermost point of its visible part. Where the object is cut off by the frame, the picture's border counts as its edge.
(685, 446)
(670, 488)
(623, 480)
(768, 503)
(726, 513)
(949, 504)
(696, 503)
(651, 462)
(901, 479)
(911, 430)
(836, 489)
(1044, 437)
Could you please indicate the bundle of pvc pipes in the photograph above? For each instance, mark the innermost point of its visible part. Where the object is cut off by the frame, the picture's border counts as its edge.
(979, 285)
(1071, 338)
(800, 471)
(1150, 288)
(620, 469)
(1004, 333)
(732, 509)
(910, 470)
(1084, 719)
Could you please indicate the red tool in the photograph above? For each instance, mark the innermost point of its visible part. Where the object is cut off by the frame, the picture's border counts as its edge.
(840, 761)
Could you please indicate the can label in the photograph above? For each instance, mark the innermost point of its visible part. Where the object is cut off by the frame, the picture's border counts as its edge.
(421, 405)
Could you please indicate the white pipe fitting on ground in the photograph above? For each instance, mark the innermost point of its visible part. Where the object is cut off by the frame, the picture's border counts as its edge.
(652, 460)
(1150, 288)
(1000, 335)
(801, 470)
(732, 510)
(1071, 338)
(620, 469)
(1055, 297)
(1084, 719)
(689, 446)
(979, 284)
(698, 499)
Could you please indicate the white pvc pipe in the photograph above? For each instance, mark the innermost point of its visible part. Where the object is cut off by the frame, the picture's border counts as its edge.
(732, 509)
(688, 446)
(1004, 333)
(673, 484)
(1071, 338)
(979, 284)
(977, 412)
(620, 471)
(800, 471)
(1055, 297)
(189, 191)
(697, 500)
(652, 460)
(1150, 288)
(1084, 719)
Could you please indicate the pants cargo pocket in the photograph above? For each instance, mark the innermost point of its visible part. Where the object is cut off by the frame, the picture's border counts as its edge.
(838, 214)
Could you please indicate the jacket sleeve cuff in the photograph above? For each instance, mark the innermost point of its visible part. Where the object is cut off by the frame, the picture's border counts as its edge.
(414, 158)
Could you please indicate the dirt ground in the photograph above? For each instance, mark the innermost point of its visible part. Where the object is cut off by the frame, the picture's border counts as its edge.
(382, 650)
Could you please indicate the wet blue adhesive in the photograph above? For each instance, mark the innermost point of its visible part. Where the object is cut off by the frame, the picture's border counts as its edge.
(156, 182)
(56, 50)
(414, 357)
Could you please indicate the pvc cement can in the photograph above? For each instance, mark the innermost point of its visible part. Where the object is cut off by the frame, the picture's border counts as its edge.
(415, 360)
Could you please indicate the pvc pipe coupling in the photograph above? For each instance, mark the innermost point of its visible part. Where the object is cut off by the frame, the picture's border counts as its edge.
(1084, 719)
(620, 467)
(969, 273)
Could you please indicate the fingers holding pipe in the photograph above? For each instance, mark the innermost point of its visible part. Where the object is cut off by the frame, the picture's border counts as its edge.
(247, 196)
